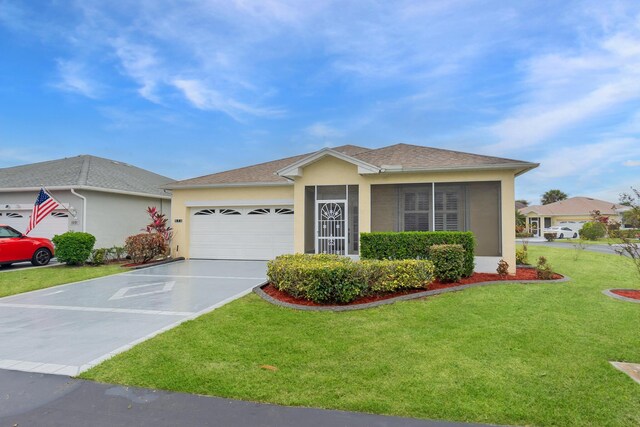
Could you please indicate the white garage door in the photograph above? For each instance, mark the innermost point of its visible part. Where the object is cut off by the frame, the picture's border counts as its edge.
(258, 232)
(55, 223)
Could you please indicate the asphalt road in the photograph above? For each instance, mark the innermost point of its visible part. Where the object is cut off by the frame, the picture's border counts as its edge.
(603, 249)
(32, 399)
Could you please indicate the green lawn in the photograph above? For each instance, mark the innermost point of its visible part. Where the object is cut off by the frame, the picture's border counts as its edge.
(504, 354)
(18, 281)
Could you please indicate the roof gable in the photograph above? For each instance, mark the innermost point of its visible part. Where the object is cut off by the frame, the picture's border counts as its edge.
(295, 169)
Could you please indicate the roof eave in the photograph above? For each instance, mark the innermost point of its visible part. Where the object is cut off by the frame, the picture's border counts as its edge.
(227, 185)
(89, 188)
(295, 169)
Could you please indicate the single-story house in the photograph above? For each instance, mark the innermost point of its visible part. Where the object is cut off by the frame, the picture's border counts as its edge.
(104, 197)
(572, 212)
(320, 202)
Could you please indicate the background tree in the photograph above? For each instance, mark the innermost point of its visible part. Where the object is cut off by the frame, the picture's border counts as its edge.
(524, 202)
(631, 217)
(630, 246)
(521, 221)
(553, 196)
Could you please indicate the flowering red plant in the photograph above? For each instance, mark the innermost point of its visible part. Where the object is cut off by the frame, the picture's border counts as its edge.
(159, 224)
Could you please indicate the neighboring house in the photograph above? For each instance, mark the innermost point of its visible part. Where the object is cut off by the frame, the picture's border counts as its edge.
(106, 198)
(320, 202)
(572, 213)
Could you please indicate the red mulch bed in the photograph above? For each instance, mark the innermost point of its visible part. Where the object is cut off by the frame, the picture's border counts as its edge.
(521, 274)
(628, 293)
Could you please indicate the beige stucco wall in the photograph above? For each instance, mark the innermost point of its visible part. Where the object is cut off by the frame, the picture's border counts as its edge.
(180, 210)
(332, 171)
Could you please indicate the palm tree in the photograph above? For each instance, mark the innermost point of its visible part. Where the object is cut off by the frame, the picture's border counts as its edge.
(553, 196)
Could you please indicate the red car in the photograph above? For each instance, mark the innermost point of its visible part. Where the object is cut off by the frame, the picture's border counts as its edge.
(16, 247)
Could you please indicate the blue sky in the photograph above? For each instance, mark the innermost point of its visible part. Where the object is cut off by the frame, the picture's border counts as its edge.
(186, 88)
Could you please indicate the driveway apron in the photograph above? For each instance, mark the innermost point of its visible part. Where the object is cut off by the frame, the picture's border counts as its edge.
(70, 328)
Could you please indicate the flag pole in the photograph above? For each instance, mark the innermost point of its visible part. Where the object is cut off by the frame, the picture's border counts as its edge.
(75, 216)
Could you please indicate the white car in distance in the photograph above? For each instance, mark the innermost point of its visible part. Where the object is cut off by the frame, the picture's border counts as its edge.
(562, 232)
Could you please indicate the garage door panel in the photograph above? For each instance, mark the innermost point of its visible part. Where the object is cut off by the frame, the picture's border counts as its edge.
(257, 232)
(55, 223)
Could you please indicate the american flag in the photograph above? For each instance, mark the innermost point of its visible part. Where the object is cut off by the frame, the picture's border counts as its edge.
(45, 204)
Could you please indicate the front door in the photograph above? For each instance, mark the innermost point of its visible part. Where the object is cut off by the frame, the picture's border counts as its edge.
(331, 227)
(535, 227)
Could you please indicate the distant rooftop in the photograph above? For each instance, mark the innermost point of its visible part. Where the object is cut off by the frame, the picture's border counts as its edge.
(575, 206)
(84, 171)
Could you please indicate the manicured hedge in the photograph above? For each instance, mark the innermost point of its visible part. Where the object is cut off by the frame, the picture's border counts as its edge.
(335, 279)
(73, 247)
(448, 261)
(415, 245)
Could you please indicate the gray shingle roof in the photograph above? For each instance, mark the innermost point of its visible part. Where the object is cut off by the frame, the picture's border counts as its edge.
(84, 171)
(400, 155)
(263, 173)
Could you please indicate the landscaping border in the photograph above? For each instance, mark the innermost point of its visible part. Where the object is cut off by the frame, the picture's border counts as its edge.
(153, 264)
(262, 294)
(609, 293)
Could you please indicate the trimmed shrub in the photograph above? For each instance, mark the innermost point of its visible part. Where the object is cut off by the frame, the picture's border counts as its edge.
(334, 279)
(415, 245)
(503, 268)
(73, 247)
(550, 237)
(397, 275)
(524, 235)
(522, 257)
(99, 256)
(593, 231)
(448, 261)
(320, 279)
(544, 271)
(145, 246)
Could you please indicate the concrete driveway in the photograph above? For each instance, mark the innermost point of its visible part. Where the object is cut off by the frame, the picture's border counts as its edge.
(68, 329)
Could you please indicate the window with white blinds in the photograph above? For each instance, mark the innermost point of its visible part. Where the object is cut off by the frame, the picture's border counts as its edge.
(448, 213)
(417, 209)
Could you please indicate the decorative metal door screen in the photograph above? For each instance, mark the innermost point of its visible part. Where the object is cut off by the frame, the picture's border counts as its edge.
(331, 227)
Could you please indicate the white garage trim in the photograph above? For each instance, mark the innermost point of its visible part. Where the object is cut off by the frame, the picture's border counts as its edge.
(55, 223)
(222, 203)
(257, 232)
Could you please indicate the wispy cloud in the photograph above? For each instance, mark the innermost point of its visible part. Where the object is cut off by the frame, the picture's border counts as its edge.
(323, 131)
(631, 163)
(567, 88)
(74, 77)
(141, 64)
(206, 98)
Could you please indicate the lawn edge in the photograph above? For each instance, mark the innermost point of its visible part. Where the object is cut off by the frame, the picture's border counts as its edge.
(262, 294)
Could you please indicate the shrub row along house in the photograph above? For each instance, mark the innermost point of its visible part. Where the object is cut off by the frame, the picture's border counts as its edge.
(321, 202)
(103, 197)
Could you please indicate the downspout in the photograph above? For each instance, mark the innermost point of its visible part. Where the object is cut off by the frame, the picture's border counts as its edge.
(84, 209)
